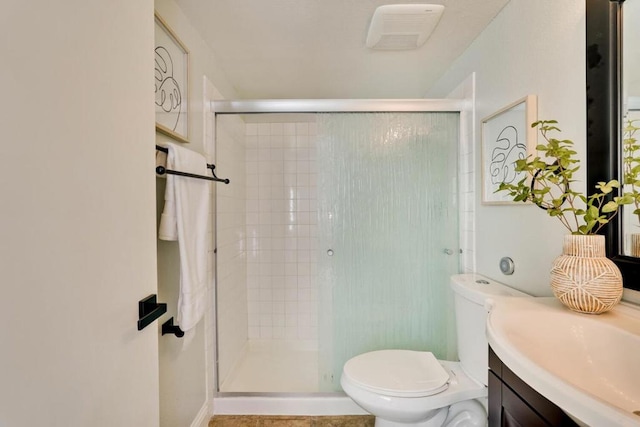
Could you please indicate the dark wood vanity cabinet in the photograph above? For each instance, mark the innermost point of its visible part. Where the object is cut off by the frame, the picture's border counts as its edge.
(512, 403)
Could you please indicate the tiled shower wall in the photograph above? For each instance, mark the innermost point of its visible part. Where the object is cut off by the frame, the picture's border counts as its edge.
(231, 232)
(467, 175)
(281, 230)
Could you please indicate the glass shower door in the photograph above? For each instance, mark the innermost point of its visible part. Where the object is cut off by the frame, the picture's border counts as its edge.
(387, 235)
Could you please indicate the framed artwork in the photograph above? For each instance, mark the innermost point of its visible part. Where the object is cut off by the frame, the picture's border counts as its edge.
(171, 83)
(507, 136)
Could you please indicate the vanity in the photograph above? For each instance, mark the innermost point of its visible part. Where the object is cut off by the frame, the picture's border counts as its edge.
(513, 402)
(550, 366)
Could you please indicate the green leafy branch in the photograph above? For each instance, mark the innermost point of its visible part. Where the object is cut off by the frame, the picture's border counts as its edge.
(631, 163)
(548, 185)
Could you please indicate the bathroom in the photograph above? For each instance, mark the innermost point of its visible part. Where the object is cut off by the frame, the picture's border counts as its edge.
(81, 207)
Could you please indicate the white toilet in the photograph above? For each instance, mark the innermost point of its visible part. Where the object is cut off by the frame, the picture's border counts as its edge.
(413, 388)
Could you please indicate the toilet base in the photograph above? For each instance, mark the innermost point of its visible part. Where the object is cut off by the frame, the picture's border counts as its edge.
(435, 421)
(469, 413)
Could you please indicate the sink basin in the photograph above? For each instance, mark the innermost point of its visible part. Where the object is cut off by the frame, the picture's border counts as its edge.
(588, 365)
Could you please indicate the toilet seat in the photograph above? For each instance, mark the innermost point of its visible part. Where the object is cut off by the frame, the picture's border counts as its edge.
(399, 373)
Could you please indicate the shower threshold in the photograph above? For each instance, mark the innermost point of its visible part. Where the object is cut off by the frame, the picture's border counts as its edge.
(285, 404)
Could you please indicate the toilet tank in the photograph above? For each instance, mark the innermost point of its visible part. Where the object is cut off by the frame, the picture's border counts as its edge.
(470, 293)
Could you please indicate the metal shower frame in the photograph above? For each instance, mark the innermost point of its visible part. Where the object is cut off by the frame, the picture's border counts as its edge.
(312, 106)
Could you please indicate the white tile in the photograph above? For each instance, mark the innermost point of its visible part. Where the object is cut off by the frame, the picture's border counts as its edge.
(251, 129)
(264, 230)
(278, 307)
(289, 141)
(252, 218)
(291, 332)
(291, 282)
(304, 282)
(265, 307)
(278, 332)
(253, 295)
(265, 269)
(278, 283)
(266, 320)
(277, 129)
(251, 155)
(291, 269)
(291, 318)
(304, 218)
(264, 128)
(304, 268)
(303, 166)
(265, 205)
(302, 128)
(253, 269)
(278, 243)
(265, 218)
(290, 166)
(252, 166)
(266, 332)
(303, 256)
(277, 154)
(278, 269)
(278, 193)
(251, 141)
(304, 243)
(289, 128)
(265, 282)
(264, 257)
(303, 180)
(290, 256)
(290, 243)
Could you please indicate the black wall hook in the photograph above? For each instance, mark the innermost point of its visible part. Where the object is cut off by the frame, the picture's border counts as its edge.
(149, 309)
(169, 328)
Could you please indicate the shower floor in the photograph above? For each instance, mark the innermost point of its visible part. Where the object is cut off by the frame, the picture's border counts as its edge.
(276, 367)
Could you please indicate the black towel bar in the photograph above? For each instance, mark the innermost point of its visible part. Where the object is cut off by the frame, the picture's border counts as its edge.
(161, 170)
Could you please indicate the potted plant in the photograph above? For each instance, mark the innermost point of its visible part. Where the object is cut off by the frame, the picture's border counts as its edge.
(631, 178)
(582, 278)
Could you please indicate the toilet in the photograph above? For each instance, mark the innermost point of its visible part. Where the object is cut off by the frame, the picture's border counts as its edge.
(413, 388)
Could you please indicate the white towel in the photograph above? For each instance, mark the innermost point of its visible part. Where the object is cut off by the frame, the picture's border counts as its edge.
(185, 217)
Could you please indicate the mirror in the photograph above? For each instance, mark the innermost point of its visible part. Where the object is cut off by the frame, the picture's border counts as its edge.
(606, 117)
(631, 121)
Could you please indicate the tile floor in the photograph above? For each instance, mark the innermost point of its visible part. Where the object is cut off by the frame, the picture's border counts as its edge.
(291, 421)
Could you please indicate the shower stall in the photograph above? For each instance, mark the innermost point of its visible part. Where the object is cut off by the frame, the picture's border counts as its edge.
(336, 236)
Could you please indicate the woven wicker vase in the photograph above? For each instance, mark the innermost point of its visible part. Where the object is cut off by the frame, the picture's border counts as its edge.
(583, 278)
(635, 245)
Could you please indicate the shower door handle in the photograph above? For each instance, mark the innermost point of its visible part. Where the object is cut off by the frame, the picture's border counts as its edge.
(448, 251)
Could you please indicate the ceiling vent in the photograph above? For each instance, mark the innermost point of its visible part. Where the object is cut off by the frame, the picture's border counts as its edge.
(403, 26)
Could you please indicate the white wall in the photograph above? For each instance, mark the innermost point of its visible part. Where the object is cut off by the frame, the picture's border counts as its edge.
(186, 380)
(531, 47)
(77, 217)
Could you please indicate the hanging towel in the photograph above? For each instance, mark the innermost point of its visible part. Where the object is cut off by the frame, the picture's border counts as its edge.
(185, 216)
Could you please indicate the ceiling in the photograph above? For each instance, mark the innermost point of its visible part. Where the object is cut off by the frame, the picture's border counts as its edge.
(316, 48)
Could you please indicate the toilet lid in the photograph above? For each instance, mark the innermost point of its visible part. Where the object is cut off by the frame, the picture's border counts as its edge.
(402, 373)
